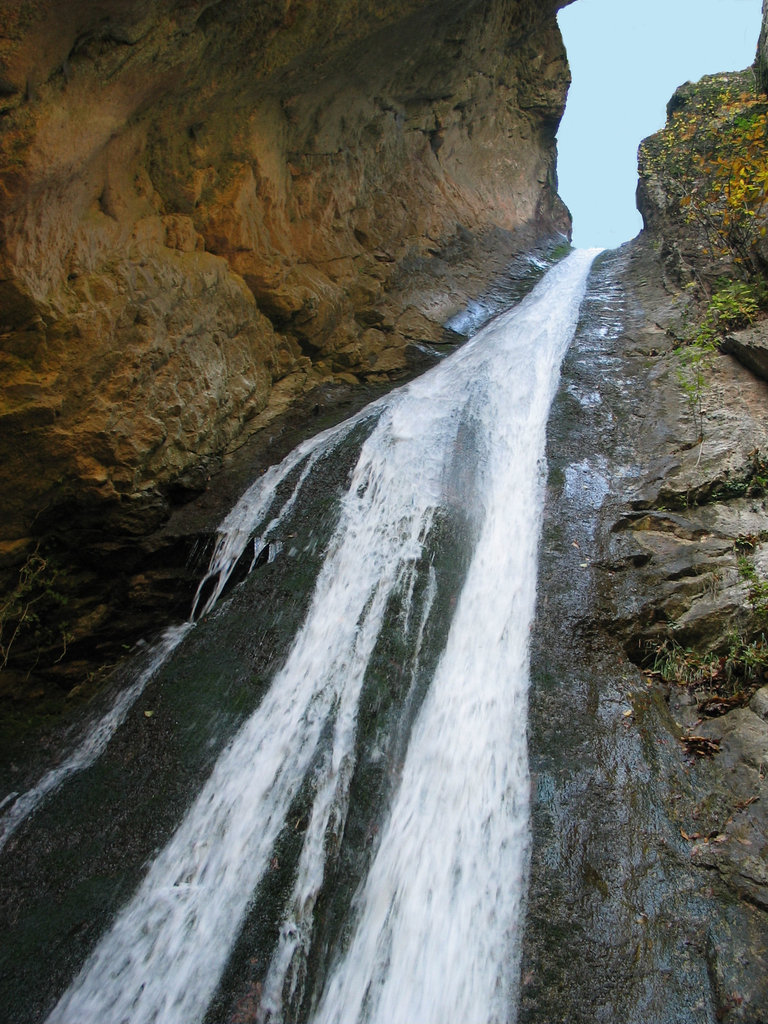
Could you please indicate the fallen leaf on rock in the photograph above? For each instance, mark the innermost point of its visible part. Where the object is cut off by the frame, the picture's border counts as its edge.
(705, 837)
(713, 707)
(702, 746)
(740, 805)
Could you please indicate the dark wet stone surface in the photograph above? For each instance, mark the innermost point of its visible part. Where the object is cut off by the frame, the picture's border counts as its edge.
(628, 920)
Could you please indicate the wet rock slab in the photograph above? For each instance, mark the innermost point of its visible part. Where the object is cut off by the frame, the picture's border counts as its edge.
(649, 862)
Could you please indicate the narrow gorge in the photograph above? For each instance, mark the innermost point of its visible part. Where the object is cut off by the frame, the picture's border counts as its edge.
(331, 689)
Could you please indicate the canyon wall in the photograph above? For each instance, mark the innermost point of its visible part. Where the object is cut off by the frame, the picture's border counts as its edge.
(209, 208)
(648, 898)
(761, 63)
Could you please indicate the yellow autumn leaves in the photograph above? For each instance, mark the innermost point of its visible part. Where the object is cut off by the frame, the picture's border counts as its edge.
(712, 159)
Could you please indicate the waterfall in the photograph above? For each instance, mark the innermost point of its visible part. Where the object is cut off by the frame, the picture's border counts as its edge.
(235, 534)
(434, 927)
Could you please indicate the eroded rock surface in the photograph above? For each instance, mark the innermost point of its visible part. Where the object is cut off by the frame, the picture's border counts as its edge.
(750, 346)
(209, 209)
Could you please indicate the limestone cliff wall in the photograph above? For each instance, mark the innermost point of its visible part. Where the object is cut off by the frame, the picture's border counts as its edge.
(199, 200)
(207, 208)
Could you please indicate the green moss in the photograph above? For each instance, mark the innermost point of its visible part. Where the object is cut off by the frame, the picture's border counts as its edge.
(758, 587)
(734, 305)
(733, 673)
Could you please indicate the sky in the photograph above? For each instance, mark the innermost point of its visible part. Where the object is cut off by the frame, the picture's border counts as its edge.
(627, 57)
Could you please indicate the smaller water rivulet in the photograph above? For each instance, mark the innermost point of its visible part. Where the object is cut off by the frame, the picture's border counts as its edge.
(18, 806)
(405, 686)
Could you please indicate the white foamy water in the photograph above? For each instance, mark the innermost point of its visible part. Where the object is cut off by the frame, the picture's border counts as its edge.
(239, 527)
(437, 920)
(235, 533)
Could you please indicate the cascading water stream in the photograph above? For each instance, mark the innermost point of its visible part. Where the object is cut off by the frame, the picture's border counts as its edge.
(20, 806)
(234, 535)
(434, 927)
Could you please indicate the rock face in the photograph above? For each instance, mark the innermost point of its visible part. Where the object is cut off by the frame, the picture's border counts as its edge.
(761, 62)
(649, 889)
(700, 190)
(649, 743)
(208, 208)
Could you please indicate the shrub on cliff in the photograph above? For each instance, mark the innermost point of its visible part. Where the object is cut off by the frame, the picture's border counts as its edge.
(707, 170)
(735, 304)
